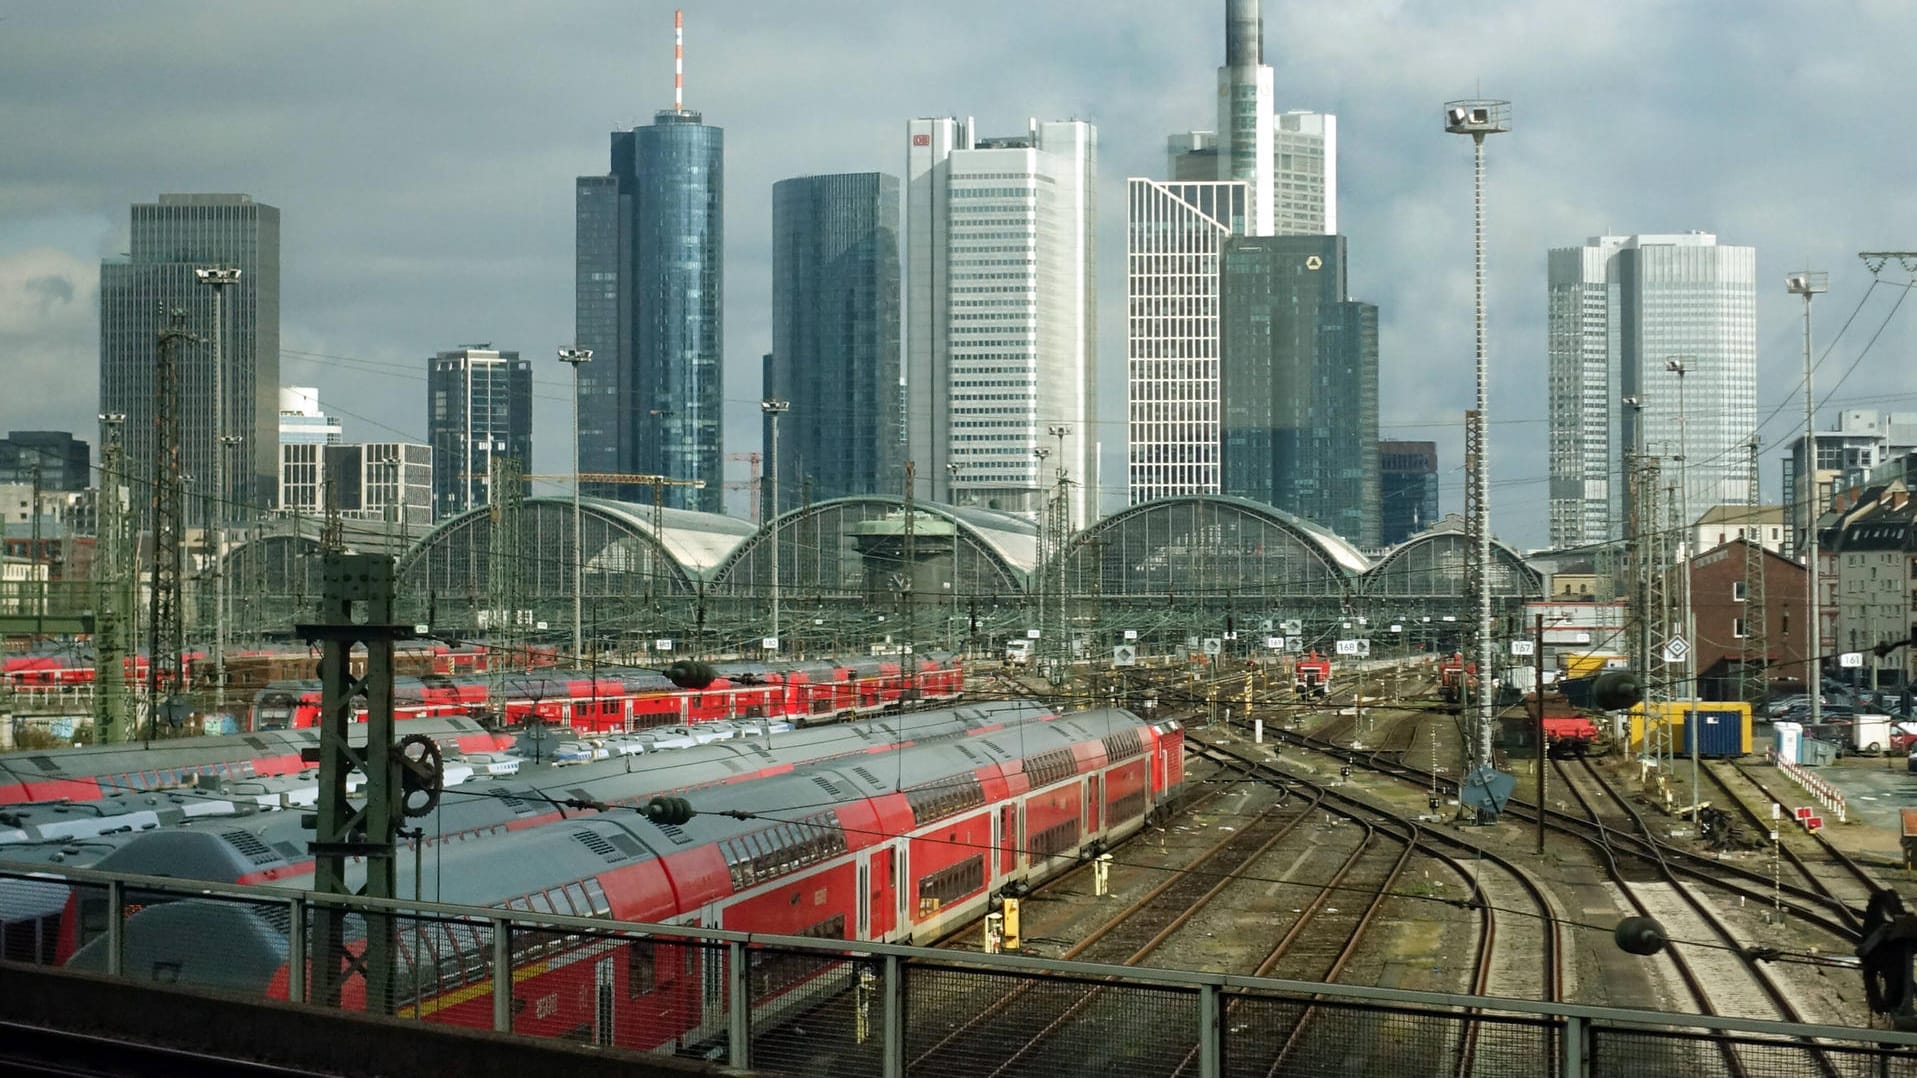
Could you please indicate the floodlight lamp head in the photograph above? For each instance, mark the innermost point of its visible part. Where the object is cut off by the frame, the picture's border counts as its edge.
(1797, 282)
(1456, 116)
(1634, 401)
(1675, 365)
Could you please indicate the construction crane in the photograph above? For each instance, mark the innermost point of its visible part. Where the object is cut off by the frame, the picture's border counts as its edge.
(751, 484)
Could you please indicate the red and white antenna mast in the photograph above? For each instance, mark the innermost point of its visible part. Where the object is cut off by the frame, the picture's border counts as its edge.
(679, 61)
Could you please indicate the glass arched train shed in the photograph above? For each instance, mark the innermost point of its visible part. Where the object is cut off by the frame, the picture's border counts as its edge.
(274, 576)
(1202, 565)
(861, 569)
(644, 572)
(1422, 584)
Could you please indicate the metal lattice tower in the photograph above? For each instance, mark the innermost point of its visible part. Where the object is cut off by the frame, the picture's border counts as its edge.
(1637, 628)
(351, 830)
(1477, 570)
(1654, 564)
(507, 575)
(165, 634)
(1755, 660)
(907, 598)
(113, 592)
(1671, 564)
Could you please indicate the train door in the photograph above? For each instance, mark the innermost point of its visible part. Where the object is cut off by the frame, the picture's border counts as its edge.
(865, 902)
(1093, 786)
(1008, 839)
(602, 1002)
(881, 882)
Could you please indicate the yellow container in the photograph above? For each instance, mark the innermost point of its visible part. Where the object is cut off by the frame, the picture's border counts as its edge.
(1726, 728)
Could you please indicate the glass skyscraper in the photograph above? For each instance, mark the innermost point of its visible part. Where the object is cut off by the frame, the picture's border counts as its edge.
(835, 337)
(170, 239)
(1619, 309)
(1407, 490)
(1298, 381)
(649, 294)
(479, 406)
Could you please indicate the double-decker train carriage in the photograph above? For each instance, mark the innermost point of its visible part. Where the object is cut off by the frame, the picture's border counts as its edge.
(617, 699)
(111, 833)
(1311, 676)
(248, 669)
(90, 772)
(900, 851)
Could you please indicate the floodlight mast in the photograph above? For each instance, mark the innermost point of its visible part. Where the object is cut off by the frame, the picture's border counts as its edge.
(1479, 118)
(1809, 283)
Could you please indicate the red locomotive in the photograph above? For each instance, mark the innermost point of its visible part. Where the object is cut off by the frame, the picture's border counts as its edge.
(1311, 676)
(900, 857)
(1456, 678)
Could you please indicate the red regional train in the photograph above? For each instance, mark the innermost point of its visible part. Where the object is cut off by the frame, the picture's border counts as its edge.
(617, 700)
(838, 852)
(257, 667)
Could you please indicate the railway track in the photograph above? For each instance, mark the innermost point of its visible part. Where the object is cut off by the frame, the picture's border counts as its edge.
(1727, 979)
(1852, 878)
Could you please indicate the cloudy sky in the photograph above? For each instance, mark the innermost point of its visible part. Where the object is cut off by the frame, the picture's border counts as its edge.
(423, 154)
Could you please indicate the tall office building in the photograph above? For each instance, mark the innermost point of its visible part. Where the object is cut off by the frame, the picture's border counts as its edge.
(650, 296)
(1407, 490)
(1298, 378)
(1175, 235)
(478, 406)
(1001, 299)
(64, 462)
(170, 239)
(305, 432)
(1619, 309)
(1289, 160)
(835, 337)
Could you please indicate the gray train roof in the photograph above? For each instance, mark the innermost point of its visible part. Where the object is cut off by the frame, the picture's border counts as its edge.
(226, 848)
(93, 761)
(534, 860)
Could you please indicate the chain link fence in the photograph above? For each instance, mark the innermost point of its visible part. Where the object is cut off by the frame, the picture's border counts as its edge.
(785, 1005)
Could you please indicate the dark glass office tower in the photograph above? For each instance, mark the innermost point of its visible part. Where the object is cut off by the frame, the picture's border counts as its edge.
(1407, 489)
(835, 336)
(478, 407)
(649, 290)
(170, 239)
(1298, 379)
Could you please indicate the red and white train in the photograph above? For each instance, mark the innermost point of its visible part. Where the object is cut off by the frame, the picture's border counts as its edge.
(836, 852)
(617, 700)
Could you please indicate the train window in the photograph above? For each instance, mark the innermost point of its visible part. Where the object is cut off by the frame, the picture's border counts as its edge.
(1123, 745)
(950, 884)
(936, 800)
(1049, 767)
(641, 968)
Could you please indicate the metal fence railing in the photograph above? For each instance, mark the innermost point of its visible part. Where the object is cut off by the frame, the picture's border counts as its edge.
(818, 1005)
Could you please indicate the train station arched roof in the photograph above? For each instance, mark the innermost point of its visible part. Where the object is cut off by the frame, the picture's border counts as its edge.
(1209, 545)
(826, 548)
(626, 552)
(1431, 565)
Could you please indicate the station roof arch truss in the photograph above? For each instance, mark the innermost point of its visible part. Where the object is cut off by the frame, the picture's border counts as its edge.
(1206, 546)
(1431, 566)
(624, 557)
(858, 547)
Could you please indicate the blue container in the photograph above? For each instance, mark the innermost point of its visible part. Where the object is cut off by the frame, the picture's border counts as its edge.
(1724, 732)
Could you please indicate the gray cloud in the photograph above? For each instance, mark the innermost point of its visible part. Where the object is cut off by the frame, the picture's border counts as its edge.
(423, 157)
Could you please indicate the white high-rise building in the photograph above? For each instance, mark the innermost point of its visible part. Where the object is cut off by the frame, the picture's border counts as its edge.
(1304, 178)
(1619, 309)
(1000, 302)
(1175, 234)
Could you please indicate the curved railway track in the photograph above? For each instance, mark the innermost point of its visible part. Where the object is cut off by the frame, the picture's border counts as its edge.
(1683, 914)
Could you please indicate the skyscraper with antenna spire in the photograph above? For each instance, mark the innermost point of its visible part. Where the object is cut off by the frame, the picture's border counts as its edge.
(649, 302)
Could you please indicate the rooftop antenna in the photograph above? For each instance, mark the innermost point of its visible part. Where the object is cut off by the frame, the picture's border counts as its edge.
(679, 61)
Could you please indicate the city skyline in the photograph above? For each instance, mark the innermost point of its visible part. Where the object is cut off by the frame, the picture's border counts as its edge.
(380, 273)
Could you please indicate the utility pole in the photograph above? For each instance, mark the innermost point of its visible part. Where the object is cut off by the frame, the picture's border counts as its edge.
(576, 358)
(1808, 284)
(503, 565)
(1537, 653)
(907, 591)
(41, 569)
(774, 408)
(952, 470)
(1479, 118)
(1755, 659)
(345, 830)
(1686, 554)
(112, 603)
(218, 279)
(165, 639)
